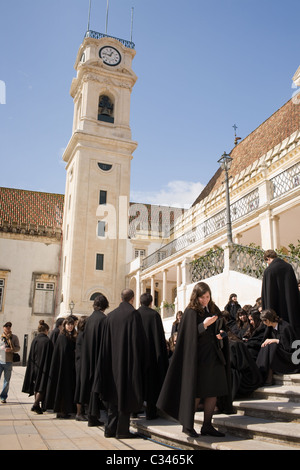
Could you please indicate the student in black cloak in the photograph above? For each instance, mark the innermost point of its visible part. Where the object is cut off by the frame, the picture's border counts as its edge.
(232, 306)
(254, 337)
(122, 367)
(157, 353)
(80, 416)
(62, 376)
(93, 335)
(280, 291)
(199, 368)
(55, 332)
(277, 349)
(38, 366)
(245, 375)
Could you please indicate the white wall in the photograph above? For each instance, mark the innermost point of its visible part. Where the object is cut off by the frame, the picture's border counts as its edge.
(23, 258)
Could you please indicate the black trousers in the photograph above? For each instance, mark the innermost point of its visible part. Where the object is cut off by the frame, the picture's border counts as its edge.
(117, 422)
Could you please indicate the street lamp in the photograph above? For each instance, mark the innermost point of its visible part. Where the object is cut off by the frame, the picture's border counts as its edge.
(225, 164)
(71, 305)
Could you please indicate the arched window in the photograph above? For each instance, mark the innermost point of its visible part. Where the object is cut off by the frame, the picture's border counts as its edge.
(105, 109)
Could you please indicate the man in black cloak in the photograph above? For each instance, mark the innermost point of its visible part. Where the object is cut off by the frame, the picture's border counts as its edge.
(157, 351)
(92, 337)
(280, 290)
(122, 369)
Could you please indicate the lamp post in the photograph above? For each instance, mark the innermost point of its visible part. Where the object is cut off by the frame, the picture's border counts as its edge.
(225, 164)
(71, 305)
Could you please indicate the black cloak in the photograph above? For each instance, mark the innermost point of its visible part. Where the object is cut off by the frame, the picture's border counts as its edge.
(177, 397)
(245, 374)
(62, 377)
(78, 349)
(122, 366)
(157, 352)
(92, 338)
(38, 365)
(280, 292)
(278, 356)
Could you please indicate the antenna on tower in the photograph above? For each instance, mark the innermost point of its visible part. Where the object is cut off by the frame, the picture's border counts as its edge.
(236, 139)
(89, 17)
(131, 25)
(106, 21)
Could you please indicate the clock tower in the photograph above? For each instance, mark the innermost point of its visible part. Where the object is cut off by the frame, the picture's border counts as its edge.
(98, 158)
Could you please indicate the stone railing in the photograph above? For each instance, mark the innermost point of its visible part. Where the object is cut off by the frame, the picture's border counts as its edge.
(243, 206)
(247, 260)
(95, 35)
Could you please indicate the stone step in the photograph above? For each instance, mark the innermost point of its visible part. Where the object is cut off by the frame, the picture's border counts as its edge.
(278, 392)
(257, 428)
(287, 379)
(170, 433)
(279, 410)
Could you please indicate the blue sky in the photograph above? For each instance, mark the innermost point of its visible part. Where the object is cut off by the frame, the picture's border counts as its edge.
(202, 67)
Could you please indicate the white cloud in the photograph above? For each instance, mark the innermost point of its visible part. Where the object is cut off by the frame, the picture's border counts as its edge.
(175, 194)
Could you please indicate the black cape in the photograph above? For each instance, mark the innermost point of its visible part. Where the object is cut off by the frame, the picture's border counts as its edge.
(177, 397)
(278, 357)
(62, 377)
(122, 366)
(280, 292)
(245, 373)
(38, 365)
(78, 350)
(157, 352)
(92, 338)
(54, 334)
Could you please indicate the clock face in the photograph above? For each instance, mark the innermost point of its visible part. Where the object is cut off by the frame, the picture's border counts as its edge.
(110, 55)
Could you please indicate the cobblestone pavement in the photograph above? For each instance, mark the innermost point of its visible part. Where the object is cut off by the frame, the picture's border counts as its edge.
(22, 429)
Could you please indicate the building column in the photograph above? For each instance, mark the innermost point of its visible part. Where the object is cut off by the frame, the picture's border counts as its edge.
(152, 287)
(275, 232)
(178, 273)
(138, 290)
(164, 289)
(265, 224)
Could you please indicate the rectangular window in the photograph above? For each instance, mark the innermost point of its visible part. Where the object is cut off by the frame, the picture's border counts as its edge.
(99, 262)
(101, 229)
(44, 298)
(1, 293)
(140, 252)
(102, 197)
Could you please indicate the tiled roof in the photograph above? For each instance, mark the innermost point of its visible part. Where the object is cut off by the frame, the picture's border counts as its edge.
(278, 127)
(38, 213)
(30, 211)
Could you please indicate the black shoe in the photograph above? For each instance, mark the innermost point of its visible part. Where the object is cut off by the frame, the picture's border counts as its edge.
(211, 431)
(80, 417)
(190, 432)
(94, 422)
(126, 436)
(37, 409)
(109, 434)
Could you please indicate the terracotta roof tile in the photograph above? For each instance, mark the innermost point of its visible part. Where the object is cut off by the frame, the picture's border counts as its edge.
(23, 208)
(278, 127)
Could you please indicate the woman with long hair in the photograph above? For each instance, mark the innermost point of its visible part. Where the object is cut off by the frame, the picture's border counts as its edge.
(199, 368)
(62, 376)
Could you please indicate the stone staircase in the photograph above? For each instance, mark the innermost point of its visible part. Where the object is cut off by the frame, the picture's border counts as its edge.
(268, 420)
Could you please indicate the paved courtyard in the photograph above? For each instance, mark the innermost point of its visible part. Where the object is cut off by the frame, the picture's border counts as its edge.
(22, 429)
